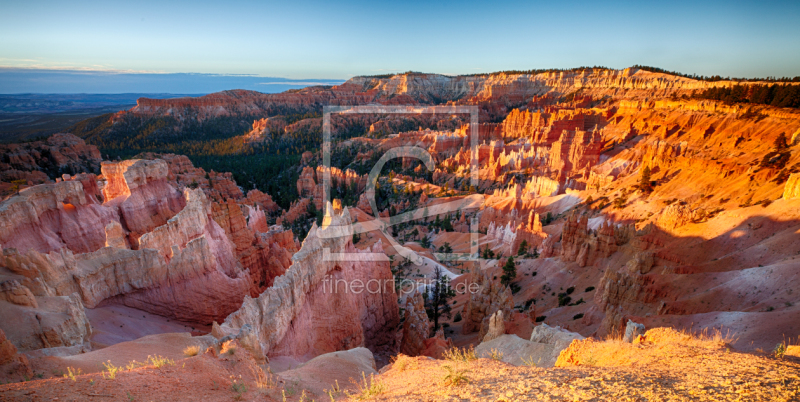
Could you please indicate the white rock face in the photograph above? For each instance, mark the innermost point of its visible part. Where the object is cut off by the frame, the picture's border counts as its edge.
(497, 327)
(633, 330)
(557, 336)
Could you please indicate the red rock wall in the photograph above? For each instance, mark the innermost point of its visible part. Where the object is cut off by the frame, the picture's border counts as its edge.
(299, 316)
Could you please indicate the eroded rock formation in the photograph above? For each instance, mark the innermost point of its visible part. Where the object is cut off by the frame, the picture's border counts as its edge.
(416, 326)
(313, 309)
(147, 247)
(490, 297)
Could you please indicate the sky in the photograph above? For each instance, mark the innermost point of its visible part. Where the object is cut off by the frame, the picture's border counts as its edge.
(333, 41)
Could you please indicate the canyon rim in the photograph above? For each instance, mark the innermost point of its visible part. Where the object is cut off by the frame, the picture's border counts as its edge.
(191, 208)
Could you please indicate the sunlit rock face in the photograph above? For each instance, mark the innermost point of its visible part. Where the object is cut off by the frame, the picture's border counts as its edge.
(140, 192)
(792, 188)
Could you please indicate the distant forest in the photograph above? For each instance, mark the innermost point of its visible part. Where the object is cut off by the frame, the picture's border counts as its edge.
(714, 77)
(538, 71)
(215, 144)
(507, 72)
(651, 69)
(219, 144)
(779, 95)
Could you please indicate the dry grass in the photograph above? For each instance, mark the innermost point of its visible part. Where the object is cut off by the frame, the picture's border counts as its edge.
(158, 361)
(454, 377)
(190, 351)
(496, 354)
(264, 380)
(402, 363)
(663, 335)
(461, 355)
(111, 370)
(717, 335)
(655, 342)
(334, 391)
(780, 350)
(714, 338)
(530, 362)
(367, 389)
(72, 373)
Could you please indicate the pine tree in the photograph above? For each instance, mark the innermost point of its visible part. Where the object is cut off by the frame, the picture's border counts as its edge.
(446, 225)
(509, 271)
(523, 248)
(437, 298)
(487, 253)
(425, 242)
(644, 183)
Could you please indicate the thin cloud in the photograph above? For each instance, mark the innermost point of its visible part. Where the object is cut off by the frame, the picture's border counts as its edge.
(299, 83)
(42, 67)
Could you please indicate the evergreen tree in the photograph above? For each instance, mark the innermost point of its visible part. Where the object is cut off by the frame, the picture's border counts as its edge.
(425, 242)
(437, 298)
(487, 253)
(509, 271)
(445, 248)
(523, 248)
(644, 182)
(446, 225)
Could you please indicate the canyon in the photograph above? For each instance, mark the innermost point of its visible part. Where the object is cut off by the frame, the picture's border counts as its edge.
(622, 204)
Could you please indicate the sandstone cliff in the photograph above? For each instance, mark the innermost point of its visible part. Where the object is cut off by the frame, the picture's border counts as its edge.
(312, 309)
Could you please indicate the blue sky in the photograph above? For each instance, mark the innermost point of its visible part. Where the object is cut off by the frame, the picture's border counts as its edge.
(337, 40)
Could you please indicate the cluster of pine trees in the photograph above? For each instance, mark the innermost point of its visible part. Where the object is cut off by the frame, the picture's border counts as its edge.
(713, 78)
(779, 95)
